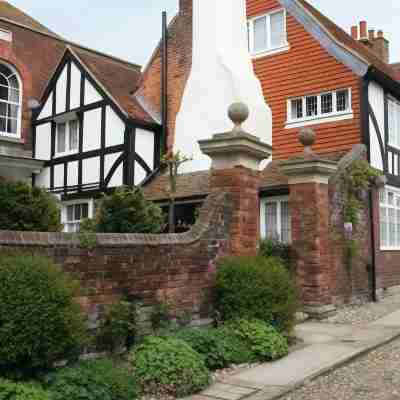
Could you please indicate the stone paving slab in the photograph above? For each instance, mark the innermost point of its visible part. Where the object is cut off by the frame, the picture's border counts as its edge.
(391, 320)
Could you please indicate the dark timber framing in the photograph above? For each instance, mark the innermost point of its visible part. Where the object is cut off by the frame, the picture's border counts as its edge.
(128, 156)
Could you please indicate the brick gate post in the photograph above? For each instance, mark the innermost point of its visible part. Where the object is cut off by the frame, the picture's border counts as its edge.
(309, 205)
(236, 158)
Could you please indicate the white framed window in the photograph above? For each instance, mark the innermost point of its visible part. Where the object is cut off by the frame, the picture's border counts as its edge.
(317, 108)
(10, 102)
(74, 212)
(389, 199)
(67, 137)
(394, 122)
(267, 33)
(275, 219)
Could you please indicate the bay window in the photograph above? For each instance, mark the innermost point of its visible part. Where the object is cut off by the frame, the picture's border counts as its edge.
(389, 199)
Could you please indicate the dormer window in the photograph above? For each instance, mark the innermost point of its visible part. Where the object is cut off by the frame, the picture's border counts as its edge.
(267, 33)
(10, 102)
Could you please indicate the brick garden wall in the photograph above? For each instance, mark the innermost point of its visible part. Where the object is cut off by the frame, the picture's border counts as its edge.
(150, 267)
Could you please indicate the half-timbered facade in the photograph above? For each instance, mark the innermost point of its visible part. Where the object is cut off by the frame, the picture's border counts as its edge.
(87, 141)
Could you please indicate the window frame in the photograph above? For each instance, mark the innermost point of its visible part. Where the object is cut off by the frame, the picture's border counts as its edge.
(15, 73)
(396, 208)
(274, 200)
(67, 151)
(75, 223)
(335, 115)
(269, 49)
(397, 105)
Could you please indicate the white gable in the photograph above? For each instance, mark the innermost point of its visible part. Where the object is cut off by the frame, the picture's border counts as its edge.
(62, 92)
(75, 94)
(91, 94)
(47, 110)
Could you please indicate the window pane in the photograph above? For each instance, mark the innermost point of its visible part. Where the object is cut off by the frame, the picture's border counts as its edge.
(297, 108)
(13, 82)
(5, 70)
(3, 109)
(12, 125)
(392, 227)
(61, 138)
(13, 111)
(73, 135)
(327, 103)
(382, 196)
(260, 34)
(14, 96)
(383, 227)
(390, 198)
(342, 99)
(78, 212)
(3, 93)
(285, 222)
(312, 106)
(70, 213)
(278, 38)
(85, 210)
(271, 221)
(3, 124)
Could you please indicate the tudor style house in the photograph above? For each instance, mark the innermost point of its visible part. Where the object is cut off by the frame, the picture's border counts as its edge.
(69, 119)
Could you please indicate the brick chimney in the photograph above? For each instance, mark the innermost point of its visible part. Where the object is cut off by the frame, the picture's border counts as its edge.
(375, 42)
(186, 6)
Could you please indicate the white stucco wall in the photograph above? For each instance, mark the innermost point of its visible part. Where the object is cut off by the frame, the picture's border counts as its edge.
(377, 100)
(115, 128)
(91, 94)
(61, 92)
(91, 170)
(92, 130)
(59, 175)
(43, 142)
(140, 173)
(145, 146)
(117, 179)
(47, 110)
(43, 179)
(75, 95)
(222, 73)
(72, 178)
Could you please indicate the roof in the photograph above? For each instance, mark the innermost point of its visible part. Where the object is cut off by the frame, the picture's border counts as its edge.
(344, 38)
(396, 68)
(119, 78)
(11, 13)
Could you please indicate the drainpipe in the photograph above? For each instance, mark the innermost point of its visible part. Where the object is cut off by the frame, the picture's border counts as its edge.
(373, 246)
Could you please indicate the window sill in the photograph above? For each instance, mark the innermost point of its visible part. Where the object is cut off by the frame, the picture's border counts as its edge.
(319, 120)
(266, 53)
(11, 139)
(390, 249)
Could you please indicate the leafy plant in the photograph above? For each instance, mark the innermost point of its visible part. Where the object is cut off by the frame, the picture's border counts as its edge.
(39, 321)
(256, 288)
(118, 326)
(219, 347)
(275, 248)
(264, 341)
(166, 365)
(127, 211)
(92, 380)
(21, 391)
(27, 208)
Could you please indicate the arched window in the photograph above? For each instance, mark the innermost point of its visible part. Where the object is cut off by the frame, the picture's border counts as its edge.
(10, 102)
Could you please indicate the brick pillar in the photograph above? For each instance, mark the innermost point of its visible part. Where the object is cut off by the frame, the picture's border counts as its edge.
(236, 157)
(309, 205)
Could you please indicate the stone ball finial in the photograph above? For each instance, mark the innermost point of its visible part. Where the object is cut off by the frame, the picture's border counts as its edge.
(307, 137)
(238, 113)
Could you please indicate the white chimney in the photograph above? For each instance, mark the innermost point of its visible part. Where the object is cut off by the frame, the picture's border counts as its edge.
(222, 73)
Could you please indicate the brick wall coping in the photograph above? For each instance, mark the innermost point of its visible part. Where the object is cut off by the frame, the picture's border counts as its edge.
(58, 239)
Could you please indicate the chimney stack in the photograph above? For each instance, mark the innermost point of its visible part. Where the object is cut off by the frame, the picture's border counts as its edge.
(378, 44)
(186, 6)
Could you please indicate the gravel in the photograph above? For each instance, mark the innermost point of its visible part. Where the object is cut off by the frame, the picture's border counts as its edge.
(375, 376)
(365, 313)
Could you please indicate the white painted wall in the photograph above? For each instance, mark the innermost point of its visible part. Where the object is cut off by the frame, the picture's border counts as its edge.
(75, 94)
(145, 146)
(222, 73)
(61, 92)
(377, 101)
(47, 109)
(91, 94)
(91, 170)
(43, 179)
(117, 179)
(59, 175)
(115, 128)
(140, 174)
(72, 178)
(43, 142)
(92, 130)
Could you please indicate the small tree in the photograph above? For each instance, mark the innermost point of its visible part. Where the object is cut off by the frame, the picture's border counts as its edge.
(27, 208)
(127, 211)
(173, 161)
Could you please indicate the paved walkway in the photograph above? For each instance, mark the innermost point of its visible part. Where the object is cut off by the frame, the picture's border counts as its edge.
(327, 346)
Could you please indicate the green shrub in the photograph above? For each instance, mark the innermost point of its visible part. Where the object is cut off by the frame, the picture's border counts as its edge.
(256, 288)
(21, 391)
(39, 321)
(219, 347)
(275, 248)
(26, 208)
(127, 211)
(92, 380)
(169, 366)
(264, 341)
(118, 326)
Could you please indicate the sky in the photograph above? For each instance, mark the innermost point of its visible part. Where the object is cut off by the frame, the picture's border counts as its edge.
(130, 29)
